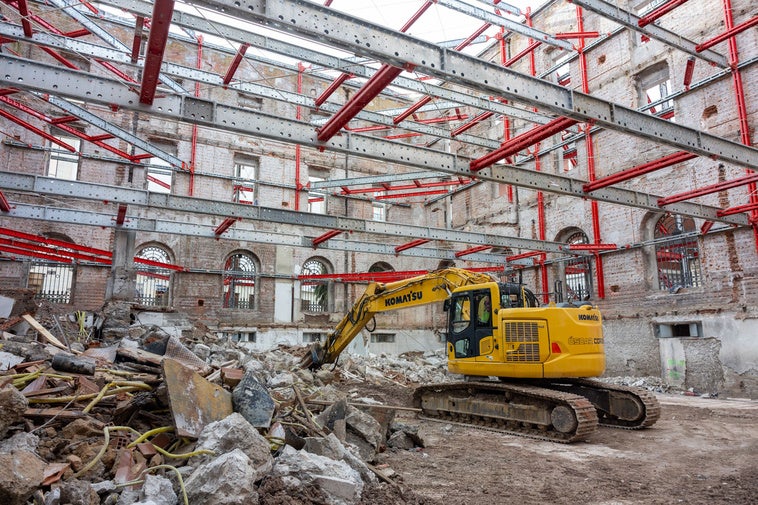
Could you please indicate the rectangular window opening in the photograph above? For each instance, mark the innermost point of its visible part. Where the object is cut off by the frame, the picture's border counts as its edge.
(312, 337)
(63, 163)
(678, 330)
(383, 338)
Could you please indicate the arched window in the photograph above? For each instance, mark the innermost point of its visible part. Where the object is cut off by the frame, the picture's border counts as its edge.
(153, 279)
(314, 293)
(381, 266)
(239, 281)
(52, 280)
(677, 252)
(578, 271)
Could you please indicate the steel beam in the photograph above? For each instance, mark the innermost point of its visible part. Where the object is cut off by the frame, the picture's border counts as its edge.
(508, 24)
(142, 198)
(77, 85)
(240, 233)
(631, 21)
(314, 21)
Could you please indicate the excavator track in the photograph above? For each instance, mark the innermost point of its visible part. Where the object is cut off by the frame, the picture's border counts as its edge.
(623, 407)
(522, 410)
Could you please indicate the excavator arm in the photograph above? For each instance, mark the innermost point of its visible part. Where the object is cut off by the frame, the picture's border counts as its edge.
(380, 297)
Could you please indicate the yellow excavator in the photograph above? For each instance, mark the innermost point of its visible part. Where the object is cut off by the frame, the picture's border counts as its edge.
(526, 367)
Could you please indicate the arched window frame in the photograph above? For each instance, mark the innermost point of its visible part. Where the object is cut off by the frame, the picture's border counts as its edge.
(576, 273)
(240, 281)
(315, 294)
(677, 252)
(153, 283)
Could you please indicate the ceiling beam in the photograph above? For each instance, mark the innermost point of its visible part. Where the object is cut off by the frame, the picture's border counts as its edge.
(81, 86)
(323, 24)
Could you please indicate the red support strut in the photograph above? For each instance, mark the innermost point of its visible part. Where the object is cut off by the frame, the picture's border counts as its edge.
(707, 190)
(651, 166)
(224, 226)
(326, 236)
(235, 63)
(727, 34)
(411, 244)
(658, 12)
(332, 88)
(4, 205)
(156, 45)
(522, 141)
(368, 92)
(472, 250)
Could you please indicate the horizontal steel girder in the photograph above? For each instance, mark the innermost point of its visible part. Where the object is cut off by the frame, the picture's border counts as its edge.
(78, 85)
(368, 39)
(240, 232)
(141, 198)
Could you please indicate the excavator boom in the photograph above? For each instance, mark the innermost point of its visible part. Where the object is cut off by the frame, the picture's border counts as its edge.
(433, 287)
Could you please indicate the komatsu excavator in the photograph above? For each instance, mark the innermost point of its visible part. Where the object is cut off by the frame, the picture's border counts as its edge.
(526, 367)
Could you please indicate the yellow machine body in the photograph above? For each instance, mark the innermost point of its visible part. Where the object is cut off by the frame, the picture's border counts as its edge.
(513, 337)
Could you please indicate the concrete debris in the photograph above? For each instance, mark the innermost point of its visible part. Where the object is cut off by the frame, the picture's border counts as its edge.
(13, 404)
(341, 483)
(234, 432)
(100, 408)
(251, 399)
(227, 480)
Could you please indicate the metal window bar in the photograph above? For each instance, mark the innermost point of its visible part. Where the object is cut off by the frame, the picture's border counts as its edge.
(153, 287)
(51, 281)
(678, 264)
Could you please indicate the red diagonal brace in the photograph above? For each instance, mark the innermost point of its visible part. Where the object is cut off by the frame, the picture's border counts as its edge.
(727, 34)
(737, 210)
(478, 119)
(334, 86)
(523, 53)
(473, 36)
(156, 44)
(326, 236)
(472, 250)
(658, 12)
(4, 205)
(522, 141)
(688, 71)
(417, 15)
(707, 190)
(137, 40)
(224, 226)
(23, 9)
(413, 108)
(34, 129)
(235, 63)
(380, 80)
(651, 166)
(577, 35)
(411, 244)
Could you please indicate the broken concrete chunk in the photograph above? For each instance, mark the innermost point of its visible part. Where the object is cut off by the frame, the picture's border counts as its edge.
(234, 432)
(79, 492)
(251, 399)
(282, 380)
(12, 407)
(22, 474)
(8, 360)
(331, 447)
(158, 490)
(337, 479)
(364, 431)
(194, 401)
(19, 442)
(226, 480)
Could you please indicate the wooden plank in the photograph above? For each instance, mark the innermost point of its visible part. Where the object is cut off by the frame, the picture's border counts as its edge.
(44, 332)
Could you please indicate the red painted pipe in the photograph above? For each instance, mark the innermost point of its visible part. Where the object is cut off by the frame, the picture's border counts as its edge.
(478, 119)
(332, 88)
(524, 52)
(326, 236)
(235, 63)
(34, 129)
(411, 244)
(413, 108)
(472, 250)
(4, 205)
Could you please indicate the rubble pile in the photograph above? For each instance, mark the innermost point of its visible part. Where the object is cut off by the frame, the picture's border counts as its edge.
(96, 413)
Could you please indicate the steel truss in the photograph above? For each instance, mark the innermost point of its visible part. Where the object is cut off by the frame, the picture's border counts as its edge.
(82, 86)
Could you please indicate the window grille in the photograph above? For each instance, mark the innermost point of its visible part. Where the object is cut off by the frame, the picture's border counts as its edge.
(153, 282)
(314, 293)
(677, 253)
(239, 282)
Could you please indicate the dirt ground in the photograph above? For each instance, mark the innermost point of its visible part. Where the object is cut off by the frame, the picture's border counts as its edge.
(701, 451)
